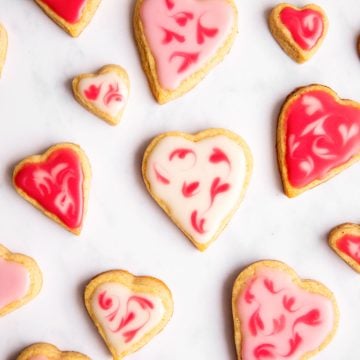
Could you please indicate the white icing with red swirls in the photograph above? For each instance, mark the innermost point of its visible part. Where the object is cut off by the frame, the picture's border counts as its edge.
(184, 35)
(107, 92)
(125, 316)
(200, 182)
(280, 320)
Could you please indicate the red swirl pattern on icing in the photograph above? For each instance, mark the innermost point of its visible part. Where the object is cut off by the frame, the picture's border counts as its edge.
(321, 135)
(128, 318)
(69, 10)
(306, 26)
(350, 245)
(56, 184)
(280, 320)
(112, 94)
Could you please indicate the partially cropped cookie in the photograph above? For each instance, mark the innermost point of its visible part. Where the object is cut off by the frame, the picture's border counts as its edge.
(180, 41)
(127, 310)
(44, 351)
(105, 93)
(345, 241)
(318, 136)
(277, 315)
(198, 180)
(71, 15)
(57, 183)
(20, 280)
(299, 31)
(3, 46)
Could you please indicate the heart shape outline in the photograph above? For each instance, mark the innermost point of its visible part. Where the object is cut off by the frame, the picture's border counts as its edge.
(3, 46)
(337, 233)
(75, 29)
(42, 158)
(136, 284)
(308, 285)
(290, 190)
(284, 37)
(198, 137)
(34, 274)
(50, 351)
(148, 61)
(88, 105)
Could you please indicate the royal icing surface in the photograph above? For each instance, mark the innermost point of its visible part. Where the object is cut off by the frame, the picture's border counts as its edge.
(279, 320)
(199, 182)
(56, 184)
(350, 245)
(14, 282)
(107, 92)
(321, 135)
(184, 35)
(306, 26)
(124, 315)
(70, 11)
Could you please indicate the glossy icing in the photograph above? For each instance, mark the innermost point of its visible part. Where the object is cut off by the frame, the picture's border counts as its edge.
(306, 26)
(321, 134)
(69, 10)
(124, 315)
(199, 182)
(279, 320)
(56, 184)
(350, 245)
(107, 92)
(14, 282)
(184, 35)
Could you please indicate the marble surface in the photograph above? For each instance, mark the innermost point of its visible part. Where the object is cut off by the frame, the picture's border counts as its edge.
(124, 228)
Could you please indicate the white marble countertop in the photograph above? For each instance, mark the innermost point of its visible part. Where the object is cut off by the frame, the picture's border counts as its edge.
(124, 228)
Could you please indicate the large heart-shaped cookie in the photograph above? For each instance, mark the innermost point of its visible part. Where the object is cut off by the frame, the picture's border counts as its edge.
(71, 15)
(345, 241)
(57, 183)
(198, 180)
(299, 31)
(44, 351)
(279, 316)
(20, 280)
(318, 136)
(3, 46)
(127, 310)
(105, 93)
(180, 41)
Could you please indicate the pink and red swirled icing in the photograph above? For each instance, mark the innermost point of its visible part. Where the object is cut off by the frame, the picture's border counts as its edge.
(350, 245)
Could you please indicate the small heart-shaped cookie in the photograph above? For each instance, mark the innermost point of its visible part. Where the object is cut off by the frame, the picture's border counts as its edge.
(318, 136)
(20, 280)
(105, 93)
(180, 41)
(57, 183)
(198, 180)
(345, 241)
(43, 351)
(279, 316)
(299, 31)
(71, 15)
(3, 46)
(127, 310)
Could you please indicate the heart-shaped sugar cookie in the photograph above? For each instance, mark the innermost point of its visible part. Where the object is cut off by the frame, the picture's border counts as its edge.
(20, 280)
(3, 46)
(299, 31)
(44, 351)
(318, 136)
(57, 183)
(279, 316)
(105, 93)
(180, 41)
(198, 180)
(71, 15)
(345, 241)
(127, 310)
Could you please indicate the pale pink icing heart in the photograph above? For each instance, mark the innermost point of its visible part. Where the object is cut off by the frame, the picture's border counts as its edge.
(14, 282)
(279, 320)
(184, 35)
